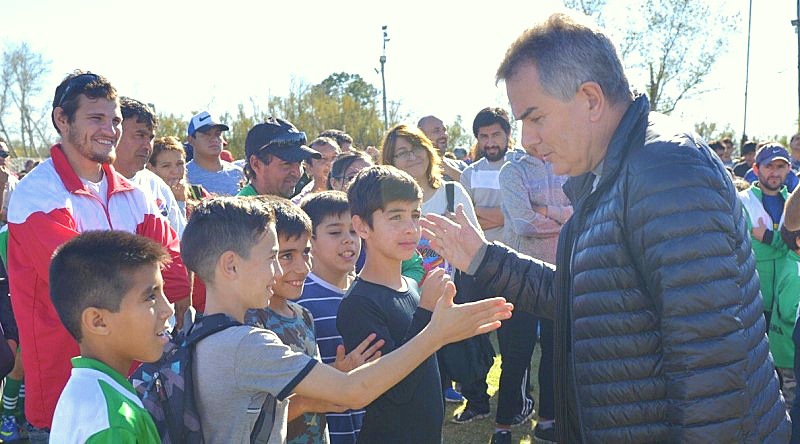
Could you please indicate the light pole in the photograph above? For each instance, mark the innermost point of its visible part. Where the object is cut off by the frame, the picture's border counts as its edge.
(747, 75)
(383, 77)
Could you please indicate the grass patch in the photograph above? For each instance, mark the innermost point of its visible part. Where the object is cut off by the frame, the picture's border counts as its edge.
(480, 432)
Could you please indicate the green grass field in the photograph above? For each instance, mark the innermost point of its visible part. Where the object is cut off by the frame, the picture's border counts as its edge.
(480, 432)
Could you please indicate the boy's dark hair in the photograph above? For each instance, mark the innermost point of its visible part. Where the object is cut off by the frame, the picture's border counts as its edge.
(318, 206)
(94, 269)
(375, 187)
(489, 116)
(223, 224)
(134, 108)
(68, 93)
(339, 136)
(290, 221)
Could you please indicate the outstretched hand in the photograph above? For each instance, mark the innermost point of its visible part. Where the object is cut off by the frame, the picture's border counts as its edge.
(453, 322)
(760, 230)
(457, 241)
(360, 355)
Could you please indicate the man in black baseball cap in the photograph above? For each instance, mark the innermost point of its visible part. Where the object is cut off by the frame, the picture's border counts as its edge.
(274, 151)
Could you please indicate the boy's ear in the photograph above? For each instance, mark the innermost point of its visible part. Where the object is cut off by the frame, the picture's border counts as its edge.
(94, 321)
(361, 227)
(227, 265)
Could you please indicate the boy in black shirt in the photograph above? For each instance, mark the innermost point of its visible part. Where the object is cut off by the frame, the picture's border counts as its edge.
(385, 206)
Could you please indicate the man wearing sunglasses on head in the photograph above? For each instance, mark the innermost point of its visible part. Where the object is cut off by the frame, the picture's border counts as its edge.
(8, 180)
(74, 191)
(274, 151)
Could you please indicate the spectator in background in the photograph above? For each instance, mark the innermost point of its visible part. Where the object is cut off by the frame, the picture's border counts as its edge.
(535, 208)
(462, 155)
(168, 161)
(8, 180)
(133, 152)
(274, 151)
(763, 205)
(206, 167)
(747, 160)
(344, 140)
(727, 152)
(319, 168)
(345, 168)
(794, 144)
(436, 131)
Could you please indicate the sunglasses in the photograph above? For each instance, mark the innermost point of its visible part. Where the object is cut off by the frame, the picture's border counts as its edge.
(4, 154)
(286, 140)
(76, 84)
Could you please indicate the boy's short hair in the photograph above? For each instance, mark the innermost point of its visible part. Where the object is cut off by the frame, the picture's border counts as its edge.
(290, 221)
(94, 269)
(318, 206)
(223, 224)
(375, 187)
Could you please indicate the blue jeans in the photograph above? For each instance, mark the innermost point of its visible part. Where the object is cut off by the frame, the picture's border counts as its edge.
(38, 436)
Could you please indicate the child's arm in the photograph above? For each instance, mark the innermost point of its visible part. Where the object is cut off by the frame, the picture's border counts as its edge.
(450, 323)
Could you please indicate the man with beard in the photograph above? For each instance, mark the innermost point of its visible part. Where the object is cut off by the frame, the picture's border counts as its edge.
(481, 179)
(436, 131)
(76, 190)
(763, 203)
(273, 153)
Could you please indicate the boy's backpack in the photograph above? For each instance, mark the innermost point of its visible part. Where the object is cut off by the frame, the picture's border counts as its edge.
(166, 387)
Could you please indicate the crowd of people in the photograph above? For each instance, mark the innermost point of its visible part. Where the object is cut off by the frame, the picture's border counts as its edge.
(354, 289)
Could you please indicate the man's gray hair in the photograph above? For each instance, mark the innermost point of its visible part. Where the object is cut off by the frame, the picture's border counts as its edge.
(567, 54)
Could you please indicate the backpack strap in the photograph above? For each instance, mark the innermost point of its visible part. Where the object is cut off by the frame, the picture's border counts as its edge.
(208, 325)
(449, 191)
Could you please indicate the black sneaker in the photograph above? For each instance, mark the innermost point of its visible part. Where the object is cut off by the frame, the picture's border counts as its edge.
(546, 434)
(468, 415)
(501, 437)
(523, 418)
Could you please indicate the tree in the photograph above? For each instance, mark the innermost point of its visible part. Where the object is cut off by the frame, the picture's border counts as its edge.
(342, 101)
(172, 125)
(672, 43)
(22, 76)
(457, 136)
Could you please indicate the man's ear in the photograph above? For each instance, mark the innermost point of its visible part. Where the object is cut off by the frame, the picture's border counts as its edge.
(594, 98)
(61, 119)
(360, 226)
(95, 321)
(755, 168)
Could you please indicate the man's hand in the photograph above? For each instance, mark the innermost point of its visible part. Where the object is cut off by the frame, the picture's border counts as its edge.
(758, 232)
(454, 173)
(359, 356)
(457, 241)
(454, 322)
(433, 288)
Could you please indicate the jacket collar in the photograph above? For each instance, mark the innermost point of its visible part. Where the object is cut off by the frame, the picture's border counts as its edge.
(73, 183)
(631, 129)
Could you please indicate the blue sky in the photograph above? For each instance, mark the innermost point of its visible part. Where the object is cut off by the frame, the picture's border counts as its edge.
(187, 56)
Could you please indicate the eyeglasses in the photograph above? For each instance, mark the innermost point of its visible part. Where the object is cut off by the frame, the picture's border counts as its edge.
(77, 83)
(4, 154)
(406, 155)
(286, 140)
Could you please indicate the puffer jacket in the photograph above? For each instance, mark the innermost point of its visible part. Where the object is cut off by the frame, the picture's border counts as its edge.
(658, 316)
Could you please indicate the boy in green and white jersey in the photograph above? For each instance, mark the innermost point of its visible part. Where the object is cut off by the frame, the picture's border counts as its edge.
(107, 289)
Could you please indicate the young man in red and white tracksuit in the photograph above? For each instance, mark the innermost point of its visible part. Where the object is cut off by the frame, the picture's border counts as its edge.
(76, 190)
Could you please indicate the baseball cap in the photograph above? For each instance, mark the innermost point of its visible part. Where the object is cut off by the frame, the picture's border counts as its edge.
(203, 121)
(279, 137)
(770, 152)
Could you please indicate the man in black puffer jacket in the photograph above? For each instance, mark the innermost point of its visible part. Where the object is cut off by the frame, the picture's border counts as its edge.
(659, 329)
